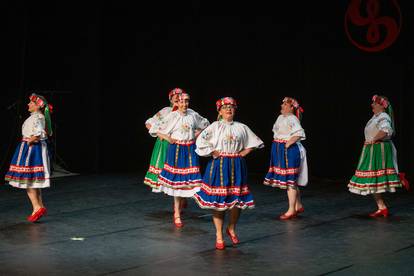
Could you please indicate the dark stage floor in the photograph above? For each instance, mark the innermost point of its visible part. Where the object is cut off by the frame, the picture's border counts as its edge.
(112, 224)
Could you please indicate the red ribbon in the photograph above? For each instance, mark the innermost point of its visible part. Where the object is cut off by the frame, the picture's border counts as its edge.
(298, 111)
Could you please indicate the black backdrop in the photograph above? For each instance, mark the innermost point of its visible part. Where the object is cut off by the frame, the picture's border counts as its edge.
(108, 67)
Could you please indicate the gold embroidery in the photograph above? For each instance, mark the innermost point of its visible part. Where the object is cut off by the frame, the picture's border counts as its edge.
(189, 156)
(176, 154)
(232, 171)
(221, 171)
(211, 170)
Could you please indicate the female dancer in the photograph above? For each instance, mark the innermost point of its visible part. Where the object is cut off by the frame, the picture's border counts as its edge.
(288, 166)
(180, 176)
(30, 165)
(160, 148)
(224, 184)
(377, 170)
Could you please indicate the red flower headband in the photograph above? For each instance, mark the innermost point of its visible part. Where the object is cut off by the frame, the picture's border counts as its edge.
(175, 91)
(380, 100)
(48, 108)
(298, 109)
(226, 101)
(40, 101)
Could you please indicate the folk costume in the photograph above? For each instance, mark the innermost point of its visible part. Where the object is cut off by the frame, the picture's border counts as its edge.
(377, 170)
(180, 176)
(288, 167)
(224, 184)
(159, 151)
(30, 165)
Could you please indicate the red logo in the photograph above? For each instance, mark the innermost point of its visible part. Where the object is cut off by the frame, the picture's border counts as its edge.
(368, 28)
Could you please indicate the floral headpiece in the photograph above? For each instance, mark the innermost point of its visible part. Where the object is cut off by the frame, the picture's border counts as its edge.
(297, 108)
(380, 100)
(383, 101)
(226, 101)
(175, 91)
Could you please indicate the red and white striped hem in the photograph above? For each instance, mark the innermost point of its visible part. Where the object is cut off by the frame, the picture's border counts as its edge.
(283, 171)
(179, 185)
(222, 206)
(224, 191)
(377, 173)
(26, 169)
(279, 184)
(183, 171)
(154, 170)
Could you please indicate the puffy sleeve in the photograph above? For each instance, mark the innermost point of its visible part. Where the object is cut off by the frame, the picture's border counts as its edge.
(276, 125)
(164, 126)
(200, 122)
(159, 116)
(275, 128)
(384, 124)
(296, 128)
(39, 125)
(250, 140)
(207, 141)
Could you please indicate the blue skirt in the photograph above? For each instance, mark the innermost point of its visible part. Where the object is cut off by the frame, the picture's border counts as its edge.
(225, 185)
(30, 167)
(181, 173)
(284, 166)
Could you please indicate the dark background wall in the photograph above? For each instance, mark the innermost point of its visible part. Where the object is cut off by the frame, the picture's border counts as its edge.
(108, 67)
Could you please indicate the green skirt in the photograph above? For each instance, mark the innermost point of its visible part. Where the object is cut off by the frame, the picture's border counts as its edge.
(156, 164)
(376, 172)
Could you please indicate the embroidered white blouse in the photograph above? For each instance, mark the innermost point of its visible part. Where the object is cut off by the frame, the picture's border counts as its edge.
(380, 121)
(287, 126)
(159, 116)
(226, 137)
(180, 126)
(34, 126)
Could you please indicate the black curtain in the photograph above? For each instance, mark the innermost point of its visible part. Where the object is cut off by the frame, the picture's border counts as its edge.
(108, 67)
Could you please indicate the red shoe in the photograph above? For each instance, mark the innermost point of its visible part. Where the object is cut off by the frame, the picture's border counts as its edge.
(234, 239)
(30, 218)
(178, 224)
(220, 245)
(287, 217)
(380, 212)
(36, 216)
(300, 210)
